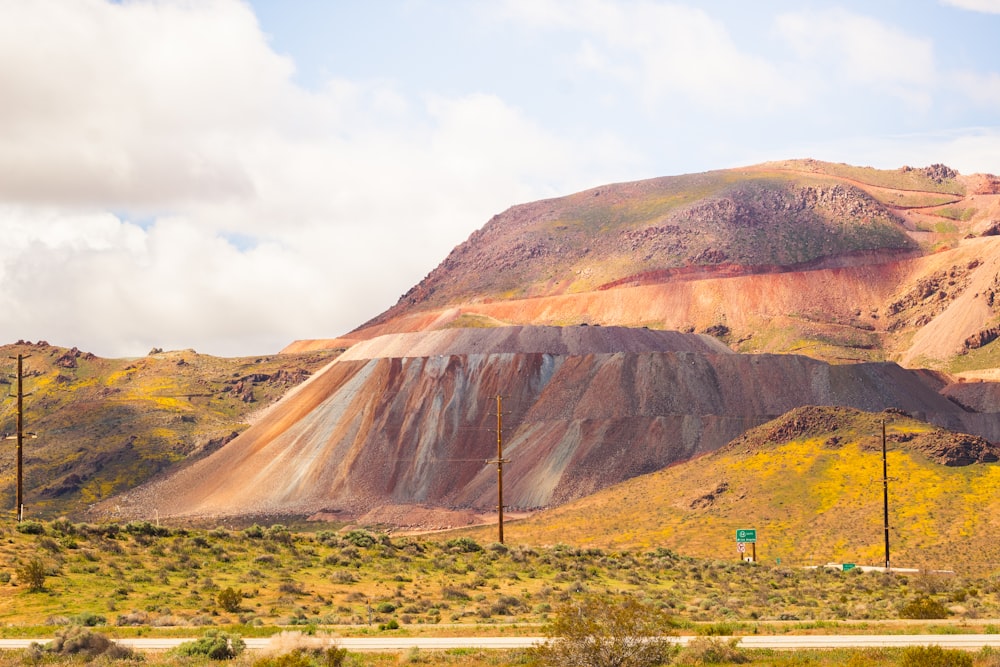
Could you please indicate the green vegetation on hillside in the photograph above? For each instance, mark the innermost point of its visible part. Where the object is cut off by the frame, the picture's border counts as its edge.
(811, 483)
(936, 178)
(101, 426)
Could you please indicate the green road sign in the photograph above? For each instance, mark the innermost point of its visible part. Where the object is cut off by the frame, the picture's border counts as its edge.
(849, 566)
(746, 535)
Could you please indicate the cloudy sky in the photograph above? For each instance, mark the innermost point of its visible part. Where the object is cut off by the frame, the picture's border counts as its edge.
(230, 176)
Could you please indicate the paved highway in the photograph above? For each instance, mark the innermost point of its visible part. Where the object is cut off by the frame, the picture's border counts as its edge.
(390, 643)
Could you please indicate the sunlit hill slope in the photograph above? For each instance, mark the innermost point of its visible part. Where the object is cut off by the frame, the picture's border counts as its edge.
(811, 484)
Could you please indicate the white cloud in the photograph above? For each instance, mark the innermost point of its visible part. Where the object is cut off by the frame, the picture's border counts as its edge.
(662, 51)
(861, 51)
(985, 6)
(179, 114)
(140, 104)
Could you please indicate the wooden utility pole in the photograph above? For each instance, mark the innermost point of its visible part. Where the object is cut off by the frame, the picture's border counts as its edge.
(885, 497)
(500, 460)
(19, 497)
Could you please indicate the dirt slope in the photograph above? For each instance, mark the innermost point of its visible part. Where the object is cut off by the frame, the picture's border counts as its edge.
(403, 421)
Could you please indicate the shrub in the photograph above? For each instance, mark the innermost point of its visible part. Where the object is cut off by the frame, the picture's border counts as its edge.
(923, 607)
(230, 599)
(89, 619)
(33, 575)
(713, 651)
(598, 631)
(279, 533)
(77, 640)
(254, 532)
(360, 538)
(214, 644)
(146, 528)
(465, 545)
(302, 657)
(934, 656)
(31, 528)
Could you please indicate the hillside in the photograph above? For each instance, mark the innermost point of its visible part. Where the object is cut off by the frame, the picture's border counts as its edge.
(406, 422)
(105, 425)
(837, 262)
(810, 483)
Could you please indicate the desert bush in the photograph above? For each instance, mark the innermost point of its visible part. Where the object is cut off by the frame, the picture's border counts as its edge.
(88, 619)
(230, 599)
(214, 644)
(463, 545)
(146, 528)
(712, 651)
(343, 577)
(33, 574)
(934, 656)
(31, 527)
(453, 593)
(596, 631)
(77, 640)
(360, 538)
(300, 657)
(279, 533)
(254, 532)
(923, 607)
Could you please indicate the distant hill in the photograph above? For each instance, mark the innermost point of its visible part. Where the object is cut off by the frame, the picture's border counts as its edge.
(810, 483)
(105, 425)
(836, 262)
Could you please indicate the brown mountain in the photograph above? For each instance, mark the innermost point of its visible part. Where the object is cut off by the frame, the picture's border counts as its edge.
(839, 263)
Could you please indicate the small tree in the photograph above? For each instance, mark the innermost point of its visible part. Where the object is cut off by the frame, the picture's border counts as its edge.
(33, 574)
(230, 599)
(599, 631)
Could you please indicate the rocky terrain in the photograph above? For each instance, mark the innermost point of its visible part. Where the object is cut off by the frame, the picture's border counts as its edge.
(409, 420)
(836, 262)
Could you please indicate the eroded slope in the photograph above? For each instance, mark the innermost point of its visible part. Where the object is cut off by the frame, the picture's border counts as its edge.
(404, 421)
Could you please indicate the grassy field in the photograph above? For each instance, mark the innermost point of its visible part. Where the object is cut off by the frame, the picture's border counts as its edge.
(143, 577)
(140, 579)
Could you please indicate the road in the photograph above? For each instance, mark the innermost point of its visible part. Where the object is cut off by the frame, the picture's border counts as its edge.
(390, 643)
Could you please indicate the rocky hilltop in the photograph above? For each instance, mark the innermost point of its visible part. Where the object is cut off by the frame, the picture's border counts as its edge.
(836, 262)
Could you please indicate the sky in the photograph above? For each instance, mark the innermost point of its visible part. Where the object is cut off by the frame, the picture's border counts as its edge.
(230, 176)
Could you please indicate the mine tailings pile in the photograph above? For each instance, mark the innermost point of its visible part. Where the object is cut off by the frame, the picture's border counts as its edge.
(410, 419)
